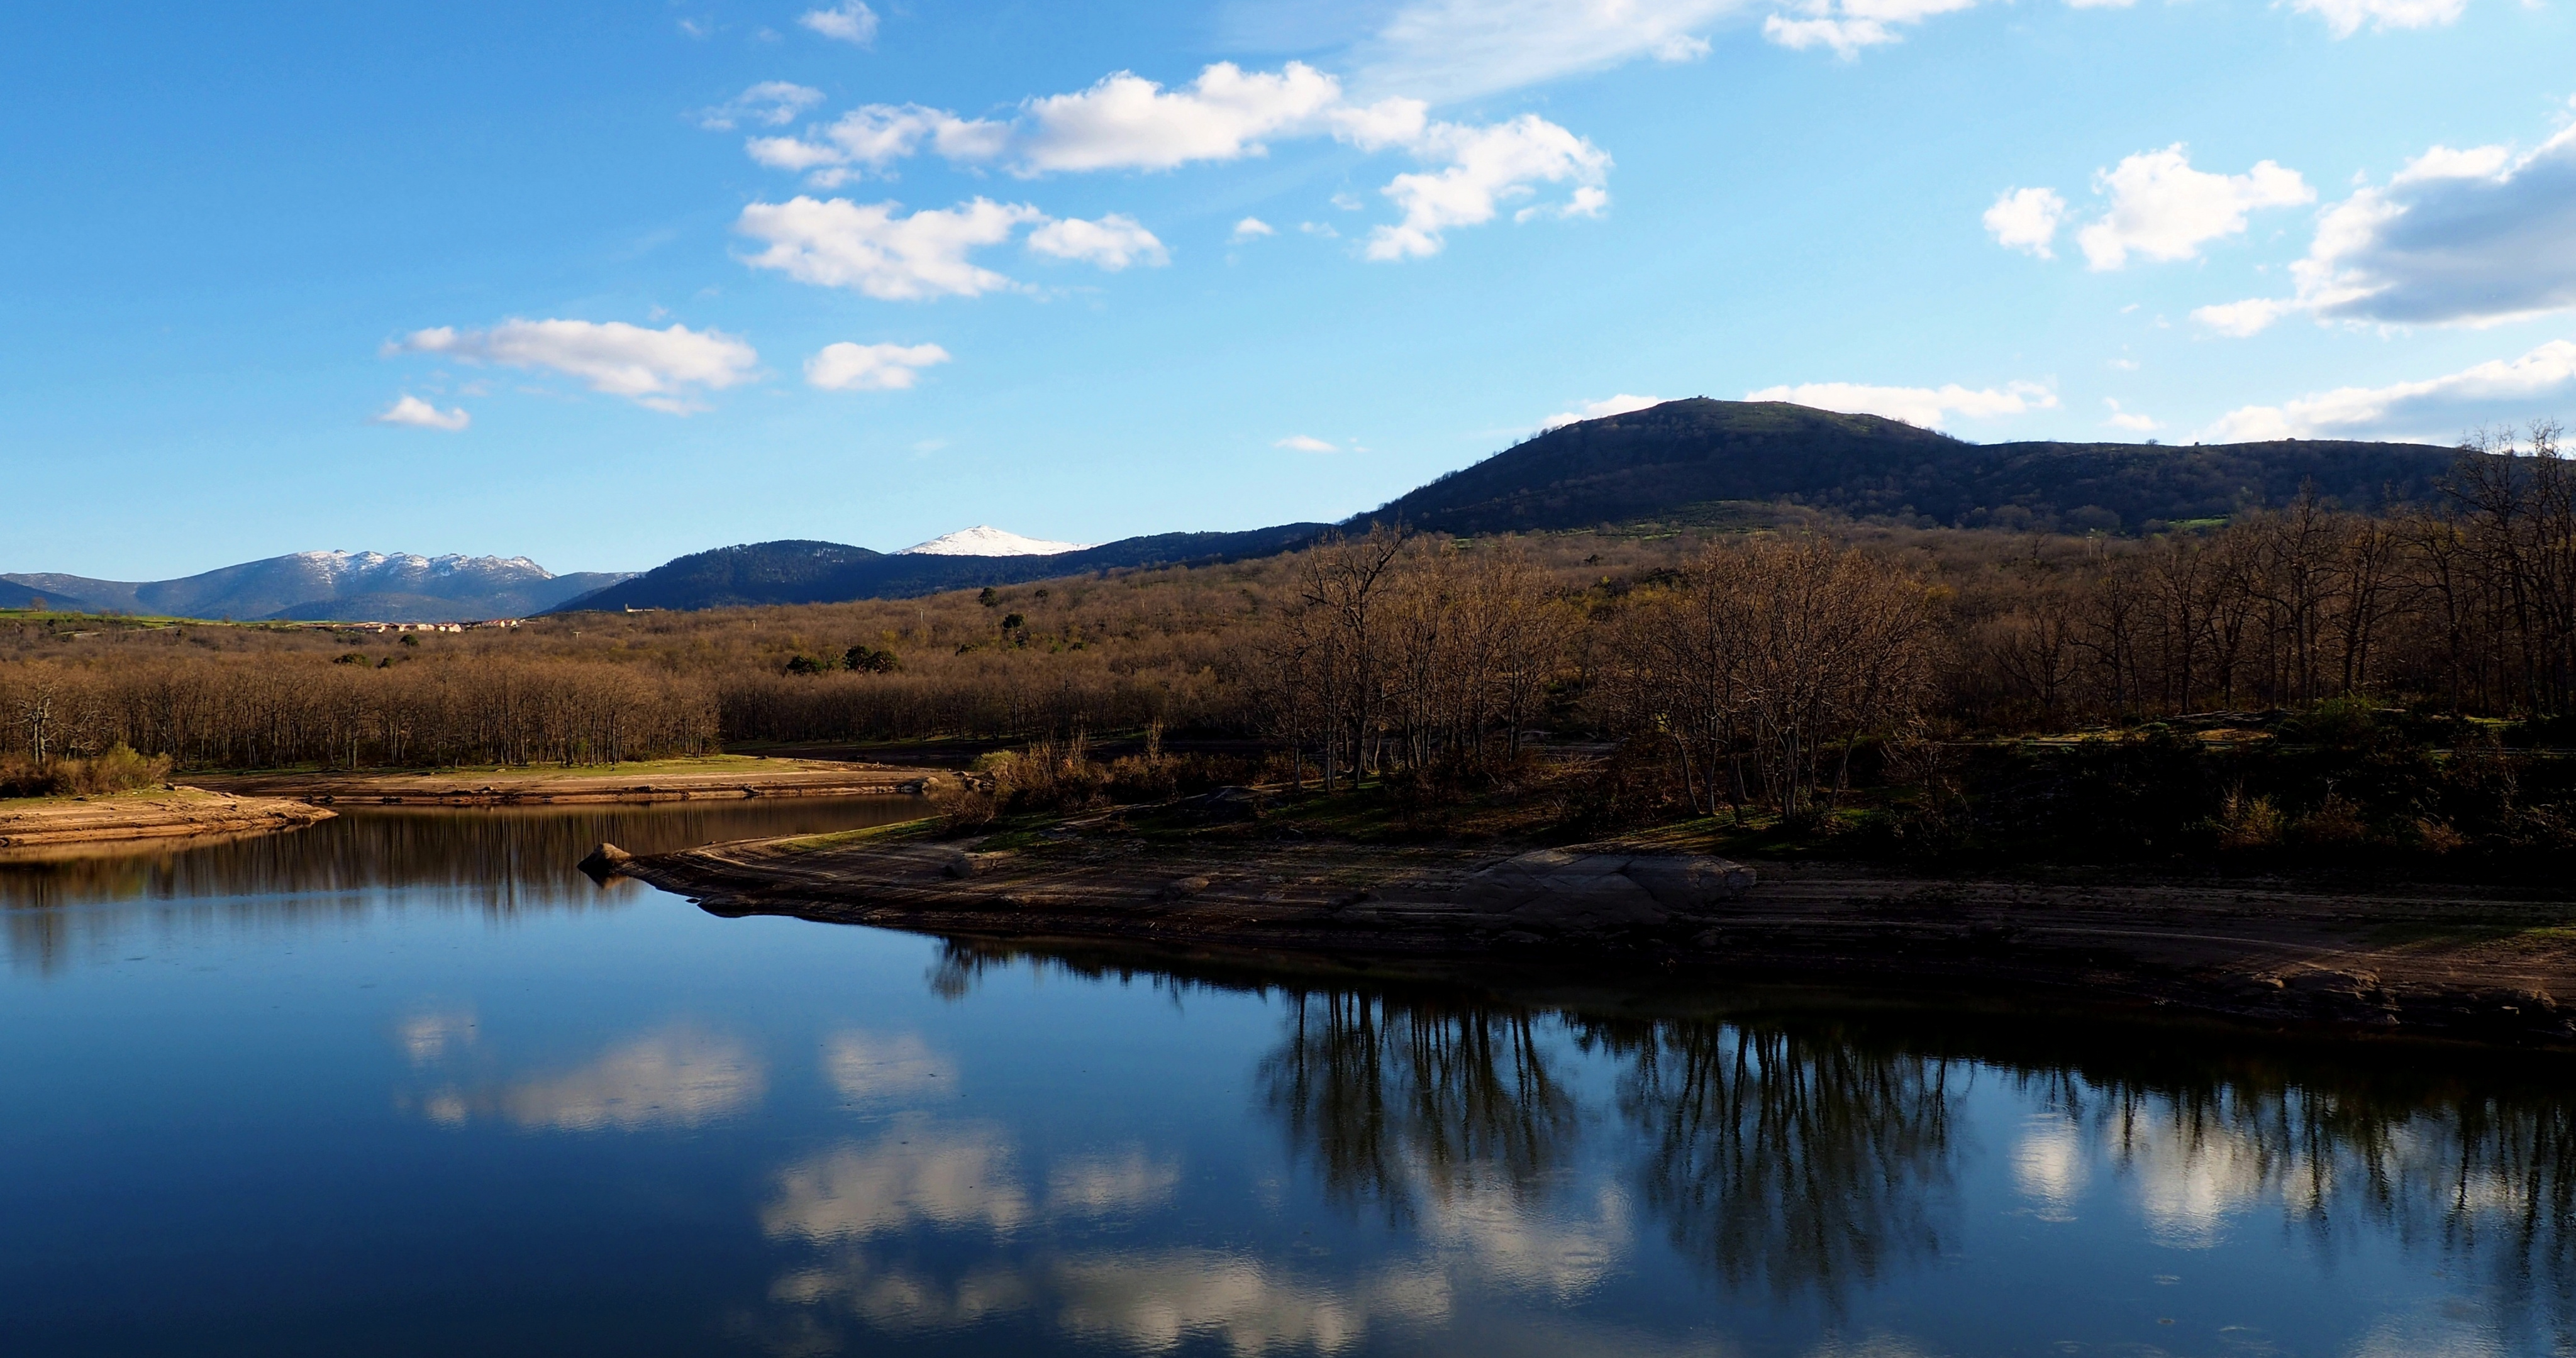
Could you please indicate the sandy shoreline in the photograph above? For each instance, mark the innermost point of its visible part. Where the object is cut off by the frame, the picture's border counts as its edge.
(522, 787)
(2477, 962)
(38, 824)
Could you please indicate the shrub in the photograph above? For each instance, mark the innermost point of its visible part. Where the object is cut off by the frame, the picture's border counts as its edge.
(118, 770)
(1635, 785)
(962, 806)
(2435, 836)
(1047, 776)
(1138, 779)
(2335, 823)
(2249, 822)
(24, 777)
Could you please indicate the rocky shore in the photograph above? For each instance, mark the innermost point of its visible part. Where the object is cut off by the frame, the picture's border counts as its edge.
(2481, 963)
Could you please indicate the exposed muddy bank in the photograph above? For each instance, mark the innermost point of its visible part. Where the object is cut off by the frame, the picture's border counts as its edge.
(2484, 963)
(36, 827)
(788, 778)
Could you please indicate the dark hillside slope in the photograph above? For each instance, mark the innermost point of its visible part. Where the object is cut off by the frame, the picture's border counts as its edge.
(15, 595)
(793, 572)
(826, 572)
(1660, 462)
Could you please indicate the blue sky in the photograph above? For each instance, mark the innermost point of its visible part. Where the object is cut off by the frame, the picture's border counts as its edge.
(602, 284)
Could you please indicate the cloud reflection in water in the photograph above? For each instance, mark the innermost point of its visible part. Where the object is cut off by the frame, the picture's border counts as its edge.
(922, 1173)
(678, 1077)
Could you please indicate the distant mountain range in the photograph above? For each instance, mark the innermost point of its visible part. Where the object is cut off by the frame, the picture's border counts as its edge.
(830, 572)
(1682, 462)
(1679, 463)
(360, 586)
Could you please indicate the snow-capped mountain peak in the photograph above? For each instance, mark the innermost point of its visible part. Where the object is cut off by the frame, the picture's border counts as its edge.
(985, 540)
(342, 565)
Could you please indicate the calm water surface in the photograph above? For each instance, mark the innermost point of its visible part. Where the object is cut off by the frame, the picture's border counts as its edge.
(405, 1083)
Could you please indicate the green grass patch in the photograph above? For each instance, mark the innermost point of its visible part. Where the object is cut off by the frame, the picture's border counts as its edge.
(93, 799)
(899, 830)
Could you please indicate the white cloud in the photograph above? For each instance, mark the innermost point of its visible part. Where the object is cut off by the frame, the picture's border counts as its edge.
(1305, 443)
(1375, 127)
(2458, 237)
(1922, 406)
(1607, 406)
(1847, 26)
(788, 153)
(2240, 319)
(1123, 122)
(1251, 228)
(771, 103)
(1487, 165)
(2496, 391)
(2130, 419)
(416, 413)
(836, 243)
(2164, 209)
(2026, 219)
(657, 368)
(1450, 50)
(2345, 17)
(1128, 122)
(851, 22)
(872, 137)
(1588, 200)
(870, 367)
(868, 247)
(1112, 243)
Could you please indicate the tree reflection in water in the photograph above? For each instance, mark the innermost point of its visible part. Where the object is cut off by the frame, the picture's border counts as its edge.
(2472, 1158)
(1778, 1159)
(1783, 1159)
(1391, 1099)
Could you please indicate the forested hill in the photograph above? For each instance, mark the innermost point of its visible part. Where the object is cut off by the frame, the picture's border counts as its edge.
(1665, 462)
(828, 572)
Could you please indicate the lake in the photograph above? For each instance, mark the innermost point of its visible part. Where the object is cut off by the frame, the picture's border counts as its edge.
(406, 1083)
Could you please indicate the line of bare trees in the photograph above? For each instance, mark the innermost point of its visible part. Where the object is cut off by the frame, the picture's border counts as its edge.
(1395, 652)
(2467, 604)
(267, 712)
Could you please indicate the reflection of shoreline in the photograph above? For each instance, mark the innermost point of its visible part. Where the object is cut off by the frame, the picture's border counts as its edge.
(1793, 1142)
(503, 861)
